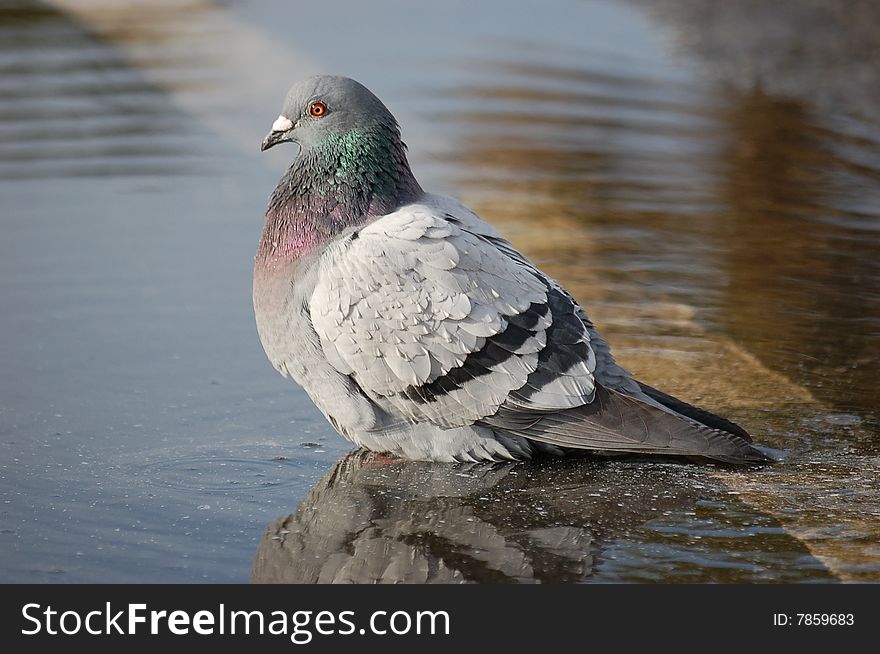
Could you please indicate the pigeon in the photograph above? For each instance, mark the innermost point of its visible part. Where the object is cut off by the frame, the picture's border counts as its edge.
(419, 331)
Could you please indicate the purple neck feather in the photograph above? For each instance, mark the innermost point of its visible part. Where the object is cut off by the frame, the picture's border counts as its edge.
(348, 181)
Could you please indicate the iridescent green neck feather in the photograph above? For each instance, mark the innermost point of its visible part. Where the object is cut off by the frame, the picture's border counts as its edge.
(346, 180)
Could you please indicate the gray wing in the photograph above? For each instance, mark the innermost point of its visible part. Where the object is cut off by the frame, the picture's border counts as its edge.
(438, 319)
(436, 325)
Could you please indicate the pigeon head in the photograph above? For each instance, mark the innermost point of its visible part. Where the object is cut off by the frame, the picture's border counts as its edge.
(320, 110)
(351, 167)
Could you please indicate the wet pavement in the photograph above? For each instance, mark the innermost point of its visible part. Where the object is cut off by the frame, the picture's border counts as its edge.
(713, 201)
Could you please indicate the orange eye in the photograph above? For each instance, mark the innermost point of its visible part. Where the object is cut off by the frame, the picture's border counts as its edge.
(317, 109)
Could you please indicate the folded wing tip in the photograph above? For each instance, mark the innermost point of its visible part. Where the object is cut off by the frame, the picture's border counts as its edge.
(618, 423)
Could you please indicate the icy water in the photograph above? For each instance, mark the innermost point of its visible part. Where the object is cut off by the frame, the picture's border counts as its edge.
(706, 181)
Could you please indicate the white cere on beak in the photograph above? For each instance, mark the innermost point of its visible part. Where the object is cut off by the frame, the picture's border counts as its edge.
(282, 124)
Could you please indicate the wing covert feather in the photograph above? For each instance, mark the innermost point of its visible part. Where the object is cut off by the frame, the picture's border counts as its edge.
(437, 323)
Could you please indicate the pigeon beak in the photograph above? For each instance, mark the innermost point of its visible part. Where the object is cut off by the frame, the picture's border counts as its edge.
(279, 134)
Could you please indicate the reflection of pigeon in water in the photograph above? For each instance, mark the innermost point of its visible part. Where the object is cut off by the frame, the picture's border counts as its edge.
(370, 521)
(418, 330)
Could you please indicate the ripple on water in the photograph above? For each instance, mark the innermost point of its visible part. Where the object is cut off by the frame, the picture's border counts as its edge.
(220, 473)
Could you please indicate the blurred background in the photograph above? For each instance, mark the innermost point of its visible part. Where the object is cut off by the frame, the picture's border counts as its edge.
(704, 177)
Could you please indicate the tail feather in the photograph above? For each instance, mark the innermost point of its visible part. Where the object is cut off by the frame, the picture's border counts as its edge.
(695, 413)
(613, 422)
